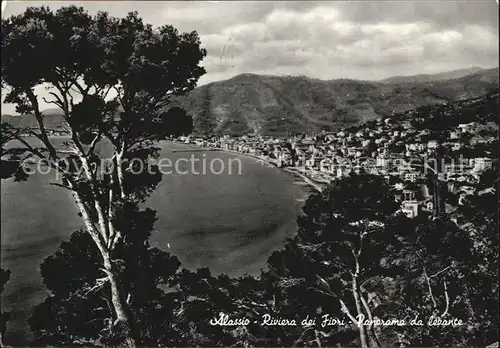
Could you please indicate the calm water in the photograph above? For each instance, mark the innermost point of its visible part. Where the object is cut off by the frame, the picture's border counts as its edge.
(230, 223)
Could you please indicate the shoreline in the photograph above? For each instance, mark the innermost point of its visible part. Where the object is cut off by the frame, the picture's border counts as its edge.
(304, 177)
(268, 236)
(295, 172)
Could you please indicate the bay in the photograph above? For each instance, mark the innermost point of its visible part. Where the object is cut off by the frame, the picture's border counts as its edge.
(230, 222)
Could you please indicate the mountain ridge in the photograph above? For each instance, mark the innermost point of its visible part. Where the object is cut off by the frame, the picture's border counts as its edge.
(268, 104)
(446, 75)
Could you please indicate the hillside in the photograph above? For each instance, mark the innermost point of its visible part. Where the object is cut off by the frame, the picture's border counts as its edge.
(278, 105)
(454, 74)
(483, 110)
(284, 104)
(52, 119)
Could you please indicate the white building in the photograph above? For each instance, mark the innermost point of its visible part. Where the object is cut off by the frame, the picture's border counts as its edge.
(411, 177)
(432, 144)
(465, 127)
(481, 164)
(409, 205)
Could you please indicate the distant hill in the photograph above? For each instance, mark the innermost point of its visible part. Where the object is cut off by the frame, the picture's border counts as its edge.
(278, 105)
(454, 74)
(51, 117)
(282, 104)
(483, 110)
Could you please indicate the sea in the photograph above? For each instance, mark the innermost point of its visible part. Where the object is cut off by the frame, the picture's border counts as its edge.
(229, 221)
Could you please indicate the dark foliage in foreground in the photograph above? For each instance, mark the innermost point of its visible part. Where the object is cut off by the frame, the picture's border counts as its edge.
(353, 255)
(4, 278)
(111, 80)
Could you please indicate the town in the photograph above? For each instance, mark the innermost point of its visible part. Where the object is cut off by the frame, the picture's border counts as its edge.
(432, 173)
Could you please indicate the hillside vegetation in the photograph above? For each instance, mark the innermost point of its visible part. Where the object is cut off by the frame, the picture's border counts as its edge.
(278, 105)
(454, 74)
(52, 120)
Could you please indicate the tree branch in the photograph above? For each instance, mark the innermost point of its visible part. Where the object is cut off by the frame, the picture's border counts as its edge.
(59, 100)
(429, 286)
(113, 236)
(39, 118)
(28, 146)
(240, 304)
(447, 298)
(317, 339)
(347, 312)
(52, 102)
(105, 94)
(297, 341)
(99, 284)
(441, 271)
(69, 152)
(52, 163)
(64, 101)
(93, 144)
(61, 185)
(89, 225)
(370, 317)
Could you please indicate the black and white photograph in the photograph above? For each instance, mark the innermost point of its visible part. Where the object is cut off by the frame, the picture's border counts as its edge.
(249, 174)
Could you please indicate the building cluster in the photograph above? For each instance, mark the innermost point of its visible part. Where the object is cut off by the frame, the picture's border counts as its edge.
(424, 171)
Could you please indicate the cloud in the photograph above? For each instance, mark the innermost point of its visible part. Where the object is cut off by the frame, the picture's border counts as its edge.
(362, 40)
(328, 43)
(444, 14)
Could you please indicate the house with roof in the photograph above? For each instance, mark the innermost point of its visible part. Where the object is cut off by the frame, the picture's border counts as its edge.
(432, 144)
(482, 163)
(409, 204)
(466, 127)
(427, 205)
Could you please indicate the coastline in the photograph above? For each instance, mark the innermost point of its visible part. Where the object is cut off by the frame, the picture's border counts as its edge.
(304, 177)
(295, 172)
(243, 223)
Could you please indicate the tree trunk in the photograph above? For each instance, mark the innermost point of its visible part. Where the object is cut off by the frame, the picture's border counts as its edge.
(429, 287)
(119, 171)
(357, 300)
(122, 328)
(371, 329)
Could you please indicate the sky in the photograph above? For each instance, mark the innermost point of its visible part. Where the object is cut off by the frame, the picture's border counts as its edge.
(366, 40)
